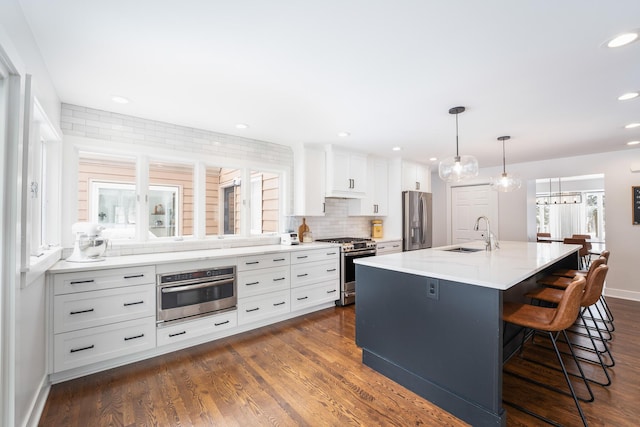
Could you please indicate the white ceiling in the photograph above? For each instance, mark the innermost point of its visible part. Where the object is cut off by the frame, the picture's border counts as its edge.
(386, 71)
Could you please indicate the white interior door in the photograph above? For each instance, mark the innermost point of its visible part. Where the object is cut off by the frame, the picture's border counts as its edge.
(467, 204)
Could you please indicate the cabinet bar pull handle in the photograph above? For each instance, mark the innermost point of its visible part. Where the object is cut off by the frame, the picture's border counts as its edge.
(252, 262)
(134, 276)
(303, 257)
(77, 282)
(331, 291)
(126, 304)
(331, 253)
(74, 350)
(252, 283)
(221, 323)
(279, 259)
(301, 298)
(278, 279)
(302, 275)
(133, 338)
(278, 303)
(332, 269)
(82, 311)
(249, 310)
(177, 333)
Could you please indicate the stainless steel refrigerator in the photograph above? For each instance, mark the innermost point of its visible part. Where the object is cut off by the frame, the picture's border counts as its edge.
(416, 220)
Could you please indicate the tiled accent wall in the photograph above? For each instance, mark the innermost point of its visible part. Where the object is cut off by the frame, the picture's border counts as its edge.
(108, 126)
(104, 125)
(335, 223)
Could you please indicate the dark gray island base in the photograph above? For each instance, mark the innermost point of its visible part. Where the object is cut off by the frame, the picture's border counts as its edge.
(442, 339)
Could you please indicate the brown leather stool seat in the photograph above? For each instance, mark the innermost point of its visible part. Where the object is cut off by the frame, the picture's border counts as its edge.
(562, 282)
(553, 322)
(591, 295)
(571, 273)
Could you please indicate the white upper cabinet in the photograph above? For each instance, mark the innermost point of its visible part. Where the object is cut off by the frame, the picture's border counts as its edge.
(309, 184)
(346, 174)
(415, 177)
(376, 201)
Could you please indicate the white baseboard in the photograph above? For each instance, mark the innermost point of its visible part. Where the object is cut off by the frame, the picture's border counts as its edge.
(38, 404)
(621, 293)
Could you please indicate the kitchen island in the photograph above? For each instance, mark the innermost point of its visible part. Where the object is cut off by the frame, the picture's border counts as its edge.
(431, 319)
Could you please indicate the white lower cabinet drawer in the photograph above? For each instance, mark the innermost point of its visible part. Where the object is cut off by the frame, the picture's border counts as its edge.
(261, 281)
(195, 328)
(88, 309)
(91, 345)
(308, 296)
(94, 280)
(260, 307)
(299, 257)
(314, 272)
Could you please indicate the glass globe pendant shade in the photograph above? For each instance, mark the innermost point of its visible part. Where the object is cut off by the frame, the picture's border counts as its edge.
(458, 168)
(506, 183)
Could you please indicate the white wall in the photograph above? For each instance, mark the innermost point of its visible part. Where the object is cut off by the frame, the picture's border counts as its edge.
(517, 210)
(28, 390)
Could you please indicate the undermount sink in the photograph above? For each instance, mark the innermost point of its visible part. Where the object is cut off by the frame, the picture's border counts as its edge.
(463, 250)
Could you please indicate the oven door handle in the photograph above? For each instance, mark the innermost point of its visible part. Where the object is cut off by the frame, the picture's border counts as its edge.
(170, 289)
(358, 253)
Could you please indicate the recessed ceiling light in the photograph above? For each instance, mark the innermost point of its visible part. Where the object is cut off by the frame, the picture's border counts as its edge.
(397, 148)
(343, 134)
(433, 159)
(628, 95)
(242, 126)
(119, 99)
(632, 125)
(623, 39)
(633, 142)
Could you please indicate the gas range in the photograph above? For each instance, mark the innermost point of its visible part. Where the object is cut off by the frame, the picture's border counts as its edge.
(351, 244)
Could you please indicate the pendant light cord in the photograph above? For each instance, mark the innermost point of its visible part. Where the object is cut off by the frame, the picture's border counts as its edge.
(504, 160)
(457, 153)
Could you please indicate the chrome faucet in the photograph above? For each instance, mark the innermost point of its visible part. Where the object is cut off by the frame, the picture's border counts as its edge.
(490, 240)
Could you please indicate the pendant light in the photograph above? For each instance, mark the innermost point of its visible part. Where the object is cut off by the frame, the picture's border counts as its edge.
(457, 168)
(505, 182)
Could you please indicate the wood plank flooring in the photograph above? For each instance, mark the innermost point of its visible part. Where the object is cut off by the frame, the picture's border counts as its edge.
(308, 372)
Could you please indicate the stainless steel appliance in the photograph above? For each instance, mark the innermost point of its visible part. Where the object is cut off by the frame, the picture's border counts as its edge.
(416, 220)
(351, 248)
(188, 294)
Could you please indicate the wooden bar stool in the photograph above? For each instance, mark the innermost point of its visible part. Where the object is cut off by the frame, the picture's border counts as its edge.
(553, 322)
(592, 291)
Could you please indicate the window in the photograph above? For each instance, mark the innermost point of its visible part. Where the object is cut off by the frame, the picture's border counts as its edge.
(106, 193)
(577, 207)
(170, 199)
(166, 207)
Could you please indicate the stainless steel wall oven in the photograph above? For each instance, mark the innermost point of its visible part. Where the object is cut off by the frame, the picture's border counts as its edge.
(188, 294)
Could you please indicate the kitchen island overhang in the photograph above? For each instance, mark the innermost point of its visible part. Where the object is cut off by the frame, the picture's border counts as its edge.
(431, 320)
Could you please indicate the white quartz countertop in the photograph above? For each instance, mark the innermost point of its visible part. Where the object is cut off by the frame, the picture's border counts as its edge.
(181, 256)
(500, 269)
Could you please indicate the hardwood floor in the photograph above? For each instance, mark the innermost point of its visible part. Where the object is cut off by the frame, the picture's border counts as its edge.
(308, 371)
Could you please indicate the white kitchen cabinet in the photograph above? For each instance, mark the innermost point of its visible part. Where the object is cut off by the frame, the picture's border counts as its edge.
(309, 182)
(346, 173)
(389, 247)
(85, 346)
(209, 325)
(256, 262)
(256, 282)
(315, 277)
(260, 307)
(376, 201)
(101, 314)
(415, 177)
(310, 295)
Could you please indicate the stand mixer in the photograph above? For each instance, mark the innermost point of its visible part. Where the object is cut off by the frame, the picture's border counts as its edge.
(89, 245)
